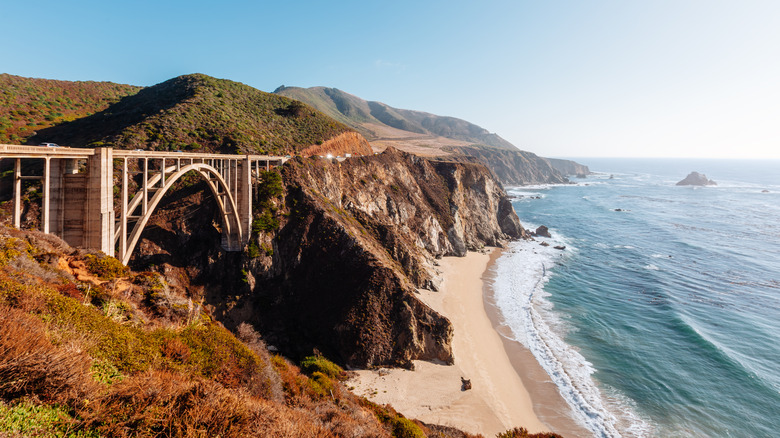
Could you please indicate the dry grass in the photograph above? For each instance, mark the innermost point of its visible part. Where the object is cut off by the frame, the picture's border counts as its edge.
(166, 404)
(271, 388)
(31, 366)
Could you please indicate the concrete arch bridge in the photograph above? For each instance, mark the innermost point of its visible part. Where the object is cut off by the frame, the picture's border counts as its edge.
(79, 184)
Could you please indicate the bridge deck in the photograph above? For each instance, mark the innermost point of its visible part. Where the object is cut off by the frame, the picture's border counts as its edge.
(25, 151)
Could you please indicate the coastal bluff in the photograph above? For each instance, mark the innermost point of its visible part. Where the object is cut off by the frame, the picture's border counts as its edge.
(696, 179)
(337, 254)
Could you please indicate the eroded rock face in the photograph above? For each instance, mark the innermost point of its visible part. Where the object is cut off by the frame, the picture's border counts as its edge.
(569, 167)
(516, 167)
(355, 240)
(696, 179)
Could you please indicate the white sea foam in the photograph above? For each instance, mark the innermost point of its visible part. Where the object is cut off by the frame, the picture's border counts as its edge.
(521, 274)
(651, 267)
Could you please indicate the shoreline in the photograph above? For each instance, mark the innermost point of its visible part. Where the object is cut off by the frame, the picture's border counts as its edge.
(548, 405)
(509, 388)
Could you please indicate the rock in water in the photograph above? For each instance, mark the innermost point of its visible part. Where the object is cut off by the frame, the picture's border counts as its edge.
(543, 231)
(696, 179)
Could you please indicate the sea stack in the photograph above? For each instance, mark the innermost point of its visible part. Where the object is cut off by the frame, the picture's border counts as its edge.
(696, 179)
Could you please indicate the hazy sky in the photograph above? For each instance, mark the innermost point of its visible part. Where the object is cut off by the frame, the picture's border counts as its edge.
(578, 78)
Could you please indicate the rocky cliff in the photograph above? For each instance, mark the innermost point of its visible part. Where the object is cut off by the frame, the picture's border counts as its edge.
(338, 252)
(515, 167)
(569, 167)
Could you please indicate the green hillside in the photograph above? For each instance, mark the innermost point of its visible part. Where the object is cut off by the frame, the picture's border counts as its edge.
(28, 105)
(357, 112)
(198, 112)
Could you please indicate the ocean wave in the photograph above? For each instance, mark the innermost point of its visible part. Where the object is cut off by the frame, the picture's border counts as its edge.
(519, 293)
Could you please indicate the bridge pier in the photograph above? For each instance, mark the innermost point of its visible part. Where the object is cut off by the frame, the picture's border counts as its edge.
(244, 197)
(99, 214)
(17, 220)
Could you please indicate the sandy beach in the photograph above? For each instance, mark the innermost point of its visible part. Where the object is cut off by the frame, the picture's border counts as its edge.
(498, 400)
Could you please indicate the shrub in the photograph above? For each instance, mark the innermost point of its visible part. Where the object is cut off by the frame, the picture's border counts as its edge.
(400, 426)
(105, 267)
(521, 432)
(29, 419)
(9, 249)
(405, 428)
(318, 364)
(270, 186)
(321, 384)
(252, 250)
(215, 353)
(265, 222)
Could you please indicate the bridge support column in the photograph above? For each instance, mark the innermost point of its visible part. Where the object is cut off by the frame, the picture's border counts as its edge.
(18, 193)
(46, 199)
(244, 197)
(55, 195)
(99, 211)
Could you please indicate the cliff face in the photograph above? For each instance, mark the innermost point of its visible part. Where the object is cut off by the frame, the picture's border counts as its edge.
(516, 167)
(569, 167)
(354, 240)
(361, 235)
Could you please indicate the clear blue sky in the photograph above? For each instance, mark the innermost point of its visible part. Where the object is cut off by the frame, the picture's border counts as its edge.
(568, 78)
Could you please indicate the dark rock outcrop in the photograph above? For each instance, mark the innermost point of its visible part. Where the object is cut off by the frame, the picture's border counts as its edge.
(543, 231)
(696, 179)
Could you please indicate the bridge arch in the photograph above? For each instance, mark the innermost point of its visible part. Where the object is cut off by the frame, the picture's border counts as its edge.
(232, 232)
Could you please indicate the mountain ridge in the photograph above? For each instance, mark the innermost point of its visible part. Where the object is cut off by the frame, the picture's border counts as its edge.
(440, 137)
(359, 114)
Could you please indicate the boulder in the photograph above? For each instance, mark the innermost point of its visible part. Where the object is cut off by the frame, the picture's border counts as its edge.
(696, 179)
(542, 231)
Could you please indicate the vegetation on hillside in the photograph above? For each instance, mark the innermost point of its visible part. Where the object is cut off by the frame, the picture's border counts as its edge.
(29, 105)
(88, 350)
(200, 113)
(356, 112)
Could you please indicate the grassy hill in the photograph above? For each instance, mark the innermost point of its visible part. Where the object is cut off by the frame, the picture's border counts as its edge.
(28, 105)
(370, 117)
(198, 112)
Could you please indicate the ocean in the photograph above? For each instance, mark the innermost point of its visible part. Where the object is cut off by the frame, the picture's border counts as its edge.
(661, 317)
